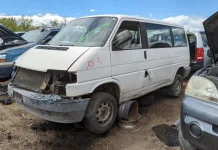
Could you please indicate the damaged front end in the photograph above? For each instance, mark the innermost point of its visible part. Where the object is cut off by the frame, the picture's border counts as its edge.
(50, 82)
(44, 94)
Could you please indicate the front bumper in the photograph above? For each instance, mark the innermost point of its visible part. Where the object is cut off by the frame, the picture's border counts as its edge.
(205, 115)
(6, 69)
(49, 107)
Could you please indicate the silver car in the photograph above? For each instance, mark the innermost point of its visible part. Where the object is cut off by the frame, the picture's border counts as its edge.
(198, 49)
(199, 113)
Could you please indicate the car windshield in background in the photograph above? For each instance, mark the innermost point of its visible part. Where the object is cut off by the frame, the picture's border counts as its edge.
(33, 35)
(93, 31)
(204, 38)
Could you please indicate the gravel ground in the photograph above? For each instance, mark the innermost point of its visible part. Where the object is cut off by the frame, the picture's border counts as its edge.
(20, 130)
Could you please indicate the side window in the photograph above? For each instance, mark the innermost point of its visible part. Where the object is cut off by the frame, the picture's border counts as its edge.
(158, 36)
(49, 37)
(127, 37)
(52, 34)
(179, 37)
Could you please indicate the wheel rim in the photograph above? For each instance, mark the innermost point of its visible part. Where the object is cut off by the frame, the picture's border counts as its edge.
(178, 86)
(104, 113)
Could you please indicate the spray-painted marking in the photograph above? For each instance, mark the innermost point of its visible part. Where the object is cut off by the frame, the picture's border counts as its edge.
(99, 60)
(90, 64)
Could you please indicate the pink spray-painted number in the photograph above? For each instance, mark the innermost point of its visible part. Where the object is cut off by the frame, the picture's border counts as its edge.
(90, 64)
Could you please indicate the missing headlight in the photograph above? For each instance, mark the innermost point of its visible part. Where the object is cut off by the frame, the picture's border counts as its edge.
(50, 82)
(60, 79)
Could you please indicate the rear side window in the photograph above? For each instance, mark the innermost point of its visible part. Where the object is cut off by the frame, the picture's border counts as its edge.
(158, 36)
(179, 37)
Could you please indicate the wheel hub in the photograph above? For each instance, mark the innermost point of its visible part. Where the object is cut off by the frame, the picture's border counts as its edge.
(103, 113)
(177, 86)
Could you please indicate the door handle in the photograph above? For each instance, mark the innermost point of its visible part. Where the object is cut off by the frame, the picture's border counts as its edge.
(145, 54)
(146, 74)
(149, 74)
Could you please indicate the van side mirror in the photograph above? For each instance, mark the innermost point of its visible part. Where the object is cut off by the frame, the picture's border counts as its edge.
(209, 54)
(122, 38)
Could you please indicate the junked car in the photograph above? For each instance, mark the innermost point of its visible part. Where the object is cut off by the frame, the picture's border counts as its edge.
(8, 41)
(96, 63)
(30, 39)
(199, 119)
(198, 49)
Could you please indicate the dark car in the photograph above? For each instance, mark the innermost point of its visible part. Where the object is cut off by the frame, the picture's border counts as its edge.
(199, 112)
(10, 52)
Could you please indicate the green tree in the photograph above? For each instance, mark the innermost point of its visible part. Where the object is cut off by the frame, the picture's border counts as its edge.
(10, 23)
(25, 24)
(56, 24)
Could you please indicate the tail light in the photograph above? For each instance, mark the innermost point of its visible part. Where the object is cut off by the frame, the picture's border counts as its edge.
(199, 57)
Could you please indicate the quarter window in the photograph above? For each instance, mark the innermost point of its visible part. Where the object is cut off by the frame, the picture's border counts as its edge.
(158, 36)
(179, 37)
(135, 41)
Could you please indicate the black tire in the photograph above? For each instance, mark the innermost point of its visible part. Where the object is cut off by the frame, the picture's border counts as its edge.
(146, 100)
(175, 89)
(101, 104)
(184, 145)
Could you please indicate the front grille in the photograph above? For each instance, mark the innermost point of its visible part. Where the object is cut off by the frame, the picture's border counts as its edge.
(29, 79)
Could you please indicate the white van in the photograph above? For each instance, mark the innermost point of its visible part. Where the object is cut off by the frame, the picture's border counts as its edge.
(96, 63)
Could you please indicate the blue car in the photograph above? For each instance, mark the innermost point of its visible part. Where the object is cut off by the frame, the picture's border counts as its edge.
(12, 46)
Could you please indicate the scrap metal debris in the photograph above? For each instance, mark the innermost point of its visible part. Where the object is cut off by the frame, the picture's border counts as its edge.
(6, 101)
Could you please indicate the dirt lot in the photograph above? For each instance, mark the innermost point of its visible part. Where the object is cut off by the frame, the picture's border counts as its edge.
(19, 130)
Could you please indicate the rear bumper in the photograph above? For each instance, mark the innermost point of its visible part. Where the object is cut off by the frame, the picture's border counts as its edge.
(6, 69)
(50, 107)
(197, 66)
(205, 115)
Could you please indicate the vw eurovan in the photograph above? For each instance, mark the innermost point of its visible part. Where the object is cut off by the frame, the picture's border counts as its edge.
(96, 63)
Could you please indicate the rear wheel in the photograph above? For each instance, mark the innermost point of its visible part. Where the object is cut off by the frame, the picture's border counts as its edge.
(101, 112)
(175, 88)
(184, 145)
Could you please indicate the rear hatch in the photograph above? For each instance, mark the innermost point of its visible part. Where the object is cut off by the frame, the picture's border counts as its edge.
(211, 29)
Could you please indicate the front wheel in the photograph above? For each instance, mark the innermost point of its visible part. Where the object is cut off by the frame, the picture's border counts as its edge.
(101, 112)
(175, 88)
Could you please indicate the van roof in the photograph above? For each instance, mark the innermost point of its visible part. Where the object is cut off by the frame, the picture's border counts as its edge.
(137, 18)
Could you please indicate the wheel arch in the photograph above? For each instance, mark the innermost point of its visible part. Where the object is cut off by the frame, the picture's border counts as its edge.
(103, 87)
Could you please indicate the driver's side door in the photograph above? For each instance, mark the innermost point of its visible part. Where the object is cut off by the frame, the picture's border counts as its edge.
(128, 60)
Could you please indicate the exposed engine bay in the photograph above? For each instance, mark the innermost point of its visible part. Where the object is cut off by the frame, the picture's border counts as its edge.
(50, 82)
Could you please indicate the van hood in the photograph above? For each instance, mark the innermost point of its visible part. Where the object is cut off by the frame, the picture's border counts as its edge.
(211, 30)
(43, 58)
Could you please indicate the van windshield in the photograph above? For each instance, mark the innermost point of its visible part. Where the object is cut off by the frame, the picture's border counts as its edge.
(90, 32)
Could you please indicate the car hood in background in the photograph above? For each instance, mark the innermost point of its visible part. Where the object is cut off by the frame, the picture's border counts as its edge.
(5, 32)
(211, 30)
